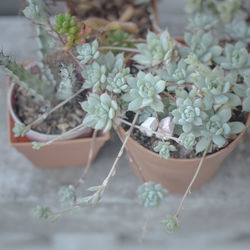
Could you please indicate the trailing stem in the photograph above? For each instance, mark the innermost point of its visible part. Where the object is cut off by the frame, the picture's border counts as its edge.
(45, 115)
(90, 157)
(112, 170)
(38, 145)
(139, 170)
(99, 193)
(145, 227)
(169, 95)
(119, 48)
(188, 190)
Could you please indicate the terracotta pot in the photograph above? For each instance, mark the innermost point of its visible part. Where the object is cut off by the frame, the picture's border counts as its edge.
(58, 154)
(64, 153)
(174, 174)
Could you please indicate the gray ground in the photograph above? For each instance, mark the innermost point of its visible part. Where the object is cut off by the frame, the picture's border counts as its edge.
(215, 217)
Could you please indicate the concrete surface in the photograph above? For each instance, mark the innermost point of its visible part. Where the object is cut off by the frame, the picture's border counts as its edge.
(215, 217)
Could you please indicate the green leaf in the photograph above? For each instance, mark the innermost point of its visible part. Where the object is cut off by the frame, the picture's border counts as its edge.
(225, 114)
(219, 140)
(202, 144)
(236, 127)
(246, 104)
(135, 104)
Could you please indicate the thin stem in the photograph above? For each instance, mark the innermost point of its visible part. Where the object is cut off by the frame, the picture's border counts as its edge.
(169, 95)
(138, 169)
(119, 48)
(188, 190)
(45, 115)
(161, 135)
(65, 210)
(129, 41)
(113, 168)
(91, 152)
(145, 227)
(61, 136)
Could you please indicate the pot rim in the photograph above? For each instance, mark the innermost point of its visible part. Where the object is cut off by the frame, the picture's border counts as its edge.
(122, 131)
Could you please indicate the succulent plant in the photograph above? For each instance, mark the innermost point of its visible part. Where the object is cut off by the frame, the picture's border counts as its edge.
(87, 51)
(42, 212)
(187, 140)
(36, 11)
(120, 38)
(41, 90)
(243, 90)
(239, 31)
(201, 22)
(18, 129)
(117, 81)
(47, 44)
(218, 128)
(164, 149)
(101, 111)
(171, 224)
(216, 87)
(75, 31)
(95, 76)
(157, 49)
(228, 9)
(236, 58)
(144, 91)
(67, 194)
(189, 112)
(68, 79)
(151, 194)
(178, 72)
(107, 71)
(194, 6)
(203, 45)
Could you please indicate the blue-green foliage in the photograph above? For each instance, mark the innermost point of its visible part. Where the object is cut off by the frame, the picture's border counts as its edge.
(151, 194)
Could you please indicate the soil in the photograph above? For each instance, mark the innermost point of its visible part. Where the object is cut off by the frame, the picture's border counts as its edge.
(64, 119)
(181, 152)
(112, 10)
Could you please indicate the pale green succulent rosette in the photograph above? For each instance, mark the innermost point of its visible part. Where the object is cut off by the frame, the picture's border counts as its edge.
(101, 111)
(228, 9)
(218, 128)
(236, 59)
(201, 22)
(243, 90)
(239, 31)
(164, 149)
(157, 49)
(216, 87)
(87, 51)
(178, 72)
(188, 140)
(151, 194)
(171, 224)
(144, 91)
(189, 112)
(203, 44)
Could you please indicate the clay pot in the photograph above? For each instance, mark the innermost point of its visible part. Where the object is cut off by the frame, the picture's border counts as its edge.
(71, 152)
(174, 174)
